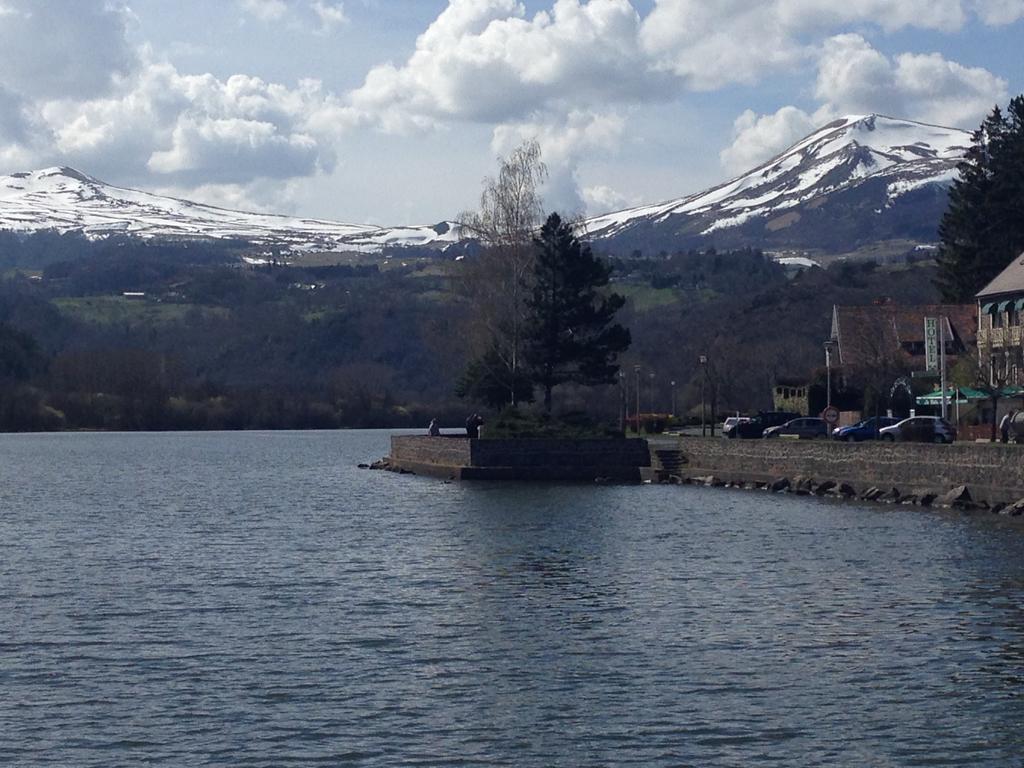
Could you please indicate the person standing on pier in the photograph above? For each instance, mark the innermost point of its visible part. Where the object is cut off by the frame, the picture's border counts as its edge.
(1004, 426)
(473, 424)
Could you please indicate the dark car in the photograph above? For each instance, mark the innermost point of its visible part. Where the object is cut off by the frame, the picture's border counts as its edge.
(806, 428)
(863, 430)
(921, 429)
(755, 427)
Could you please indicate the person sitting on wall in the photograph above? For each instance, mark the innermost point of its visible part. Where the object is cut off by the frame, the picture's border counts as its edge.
(433, 430)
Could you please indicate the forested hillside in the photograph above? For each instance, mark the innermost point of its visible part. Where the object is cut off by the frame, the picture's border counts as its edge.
(215, 343)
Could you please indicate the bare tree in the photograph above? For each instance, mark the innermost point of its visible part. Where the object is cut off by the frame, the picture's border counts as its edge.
(977, 371)
(496, 281)
(873, 359)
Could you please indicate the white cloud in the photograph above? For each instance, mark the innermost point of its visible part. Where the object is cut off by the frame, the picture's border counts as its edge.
(228, 149)
(13, 124)
(17, 134)
(889, 15)
(564, 141)
(854, 78)
(322, 16)
(483, 60)
(197, 128)
(999, 12)
(259, 196)
(330, 15)
(53, 48)
(602, 198)
(709, 45)
(563, 138)
(759, 138)
(487, 61)
(265, 10)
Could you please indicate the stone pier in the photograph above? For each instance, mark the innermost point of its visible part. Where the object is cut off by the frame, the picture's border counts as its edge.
(462, 458)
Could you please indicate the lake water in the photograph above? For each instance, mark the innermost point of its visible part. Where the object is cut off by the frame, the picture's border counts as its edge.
(254, 599)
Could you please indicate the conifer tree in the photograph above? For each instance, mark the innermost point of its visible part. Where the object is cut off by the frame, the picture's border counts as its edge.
(983, 228)
(570, 333)
(487, 380)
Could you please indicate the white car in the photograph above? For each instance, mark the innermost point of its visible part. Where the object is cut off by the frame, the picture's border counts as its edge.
(732, 421)
(922, 429)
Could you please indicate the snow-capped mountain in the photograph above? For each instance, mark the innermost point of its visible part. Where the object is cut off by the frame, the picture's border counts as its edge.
(857, 180)
(64, 200)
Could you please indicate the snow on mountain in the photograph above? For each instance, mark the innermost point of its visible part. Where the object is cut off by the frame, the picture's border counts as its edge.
(856, 181)
(857, 178)
(64, 199)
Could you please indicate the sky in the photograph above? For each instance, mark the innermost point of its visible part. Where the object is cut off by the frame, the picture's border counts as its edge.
(392, 112)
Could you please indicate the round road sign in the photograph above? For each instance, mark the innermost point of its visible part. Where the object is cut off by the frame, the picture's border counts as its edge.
(831, 415)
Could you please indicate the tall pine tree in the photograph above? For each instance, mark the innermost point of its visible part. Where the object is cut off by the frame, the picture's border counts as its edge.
(983, 228)
(570, 333)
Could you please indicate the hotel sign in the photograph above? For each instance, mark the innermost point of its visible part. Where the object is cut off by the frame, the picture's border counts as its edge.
(931, 343)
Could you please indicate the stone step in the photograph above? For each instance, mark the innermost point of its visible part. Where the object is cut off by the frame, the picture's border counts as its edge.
(669, 460)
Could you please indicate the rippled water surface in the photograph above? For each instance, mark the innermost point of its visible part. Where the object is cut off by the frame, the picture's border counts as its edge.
(254, 599)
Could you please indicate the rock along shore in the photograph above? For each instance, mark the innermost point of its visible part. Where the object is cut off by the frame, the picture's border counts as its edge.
(970, 477)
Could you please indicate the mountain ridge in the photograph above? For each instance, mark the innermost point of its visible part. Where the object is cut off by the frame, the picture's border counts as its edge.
(857, 180)
(867, 172)
(65, 199)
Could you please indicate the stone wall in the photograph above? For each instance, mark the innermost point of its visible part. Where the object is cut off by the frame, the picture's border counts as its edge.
(560, 453)
(442, 451)
(993, 472)
(520, 459)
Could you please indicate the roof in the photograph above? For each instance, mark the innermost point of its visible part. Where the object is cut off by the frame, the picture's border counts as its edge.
(865, 333)
(1010, 280)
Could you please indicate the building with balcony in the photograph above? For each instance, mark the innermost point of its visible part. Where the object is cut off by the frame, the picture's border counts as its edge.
(1000, 324)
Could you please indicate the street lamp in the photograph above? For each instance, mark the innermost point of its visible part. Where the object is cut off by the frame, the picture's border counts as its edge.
(673, 385)
(624, 404)
(636, 372)
(828, 373)
(703, 380)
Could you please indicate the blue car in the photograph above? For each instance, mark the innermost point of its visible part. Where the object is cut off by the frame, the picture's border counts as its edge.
(864, 430)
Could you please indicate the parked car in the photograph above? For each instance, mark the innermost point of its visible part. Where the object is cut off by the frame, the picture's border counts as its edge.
(863, 430)
(756, 425)
(922, 429)
(732, 421)
(806, 428)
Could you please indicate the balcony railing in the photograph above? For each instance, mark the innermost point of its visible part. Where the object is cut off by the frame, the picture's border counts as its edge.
(997, 337)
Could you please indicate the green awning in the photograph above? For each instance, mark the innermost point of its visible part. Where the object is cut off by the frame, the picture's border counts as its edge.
(1018, 304)
(966, 395)
(1003, 305)
(986, 308)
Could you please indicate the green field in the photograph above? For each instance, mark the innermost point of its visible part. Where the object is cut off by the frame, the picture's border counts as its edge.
(118, 310)
(644, 298)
